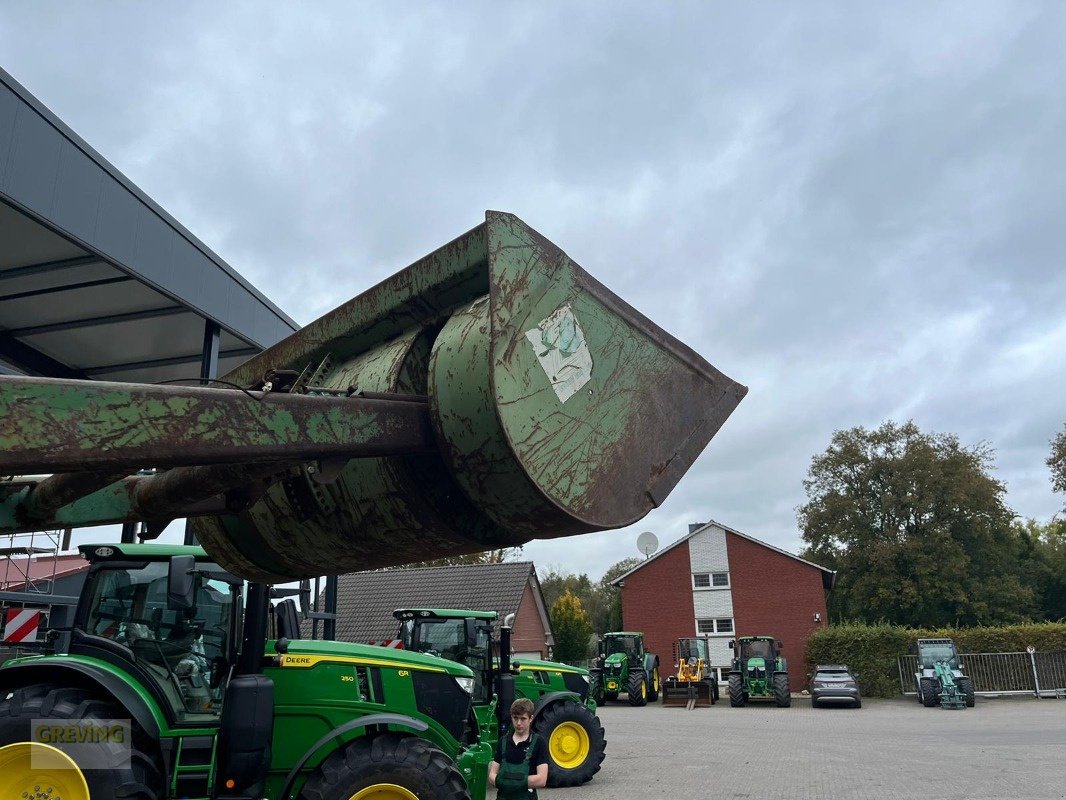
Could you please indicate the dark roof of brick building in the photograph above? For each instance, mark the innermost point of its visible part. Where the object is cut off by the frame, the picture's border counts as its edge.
(366, 600)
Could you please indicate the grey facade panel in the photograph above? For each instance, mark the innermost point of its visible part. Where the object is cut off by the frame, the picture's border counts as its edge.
(31, 175)
(9, 105)
(154, 251)
(77, 196)
(119, 217)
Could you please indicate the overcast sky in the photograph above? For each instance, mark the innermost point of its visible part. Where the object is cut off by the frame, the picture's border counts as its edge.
(857, 216)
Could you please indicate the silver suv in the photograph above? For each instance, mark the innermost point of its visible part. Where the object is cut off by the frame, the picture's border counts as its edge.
(835, 684)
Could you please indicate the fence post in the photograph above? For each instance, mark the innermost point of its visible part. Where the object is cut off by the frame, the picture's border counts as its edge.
(1032, 661)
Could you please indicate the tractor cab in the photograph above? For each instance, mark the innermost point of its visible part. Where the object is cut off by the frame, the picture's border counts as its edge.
(178, 639)
(462, 636)
(619, 646)
(932, 651)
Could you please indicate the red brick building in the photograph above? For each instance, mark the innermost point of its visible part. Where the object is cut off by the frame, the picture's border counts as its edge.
(720, 583)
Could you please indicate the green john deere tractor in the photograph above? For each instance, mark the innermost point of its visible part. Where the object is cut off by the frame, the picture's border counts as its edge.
(940, 679)
(563, 710)
(759, 672)
(167, 639)
(623, 665)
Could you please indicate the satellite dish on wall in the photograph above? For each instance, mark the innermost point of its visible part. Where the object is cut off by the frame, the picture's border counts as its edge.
(647, 543)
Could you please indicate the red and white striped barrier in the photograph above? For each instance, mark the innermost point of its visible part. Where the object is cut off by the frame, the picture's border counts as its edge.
(394, 643)
(20, 625)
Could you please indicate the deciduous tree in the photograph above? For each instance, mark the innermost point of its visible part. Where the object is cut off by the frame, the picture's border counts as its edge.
(917, 528)
(572, 628)
(1057, 462)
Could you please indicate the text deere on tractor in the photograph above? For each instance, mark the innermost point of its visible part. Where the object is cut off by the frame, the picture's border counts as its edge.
(940, 679)
(490, 394)
(759, 671)
(563, 711)
(622, 665)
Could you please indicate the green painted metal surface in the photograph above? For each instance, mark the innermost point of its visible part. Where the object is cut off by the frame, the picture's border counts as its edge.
(558, 409)
(491, 393)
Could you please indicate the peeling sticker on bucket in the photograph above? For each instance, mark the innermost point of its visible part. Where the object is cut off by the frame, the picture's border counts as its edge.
(559, 344)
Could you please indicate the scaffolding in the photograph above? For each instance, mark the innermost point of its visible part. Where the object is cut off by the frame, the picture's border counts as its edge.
(29, 566)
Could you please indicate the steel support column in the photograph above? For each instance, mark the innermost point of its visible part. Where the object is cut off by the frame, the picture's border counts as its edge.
(208, 372)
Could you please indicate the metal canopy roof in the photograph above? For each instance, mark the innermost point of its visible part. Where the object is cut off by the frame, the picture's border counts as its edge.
(98, 281)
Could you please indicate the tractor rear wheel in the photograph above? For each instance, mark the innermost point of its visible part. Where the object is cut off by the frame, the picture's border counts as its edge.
(388, 766)
(575, 740)
(107, 774)
(637, 689)
(653, 684)
(927, 692)
(782, 694)
(966, 689)
(737, 696)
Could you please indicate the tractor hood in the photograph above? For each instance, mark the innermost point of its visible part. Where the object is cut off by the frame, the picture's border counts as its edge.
(309, 653)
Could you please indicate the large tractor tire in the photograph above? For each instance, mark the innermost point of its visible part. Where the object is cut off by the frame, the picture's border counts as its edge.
(654, 684)
(638, 688)
(737, 696)
(782, 693)
(927, 692)
(966, 690)
(140, 779)
(596, 688)
(388, 766)
(576, 745)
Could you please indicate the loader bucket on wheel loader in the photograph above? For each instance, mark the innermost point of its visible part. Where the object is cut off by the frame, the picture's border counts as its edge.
(489, 394)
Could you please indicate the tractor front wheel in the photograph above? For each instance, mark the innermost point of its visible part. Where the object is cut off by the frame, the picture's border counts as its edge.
(782, 694)
(112, 768)
(966, 689)
(737, 696)
(927, 692)
(596, 688)
(575, 740)
(653, 684)
(638, 689)
(386, 767)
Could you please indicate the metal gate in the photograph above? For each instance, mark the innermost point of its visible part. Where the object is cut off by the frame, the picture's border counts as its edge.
(1040, 674)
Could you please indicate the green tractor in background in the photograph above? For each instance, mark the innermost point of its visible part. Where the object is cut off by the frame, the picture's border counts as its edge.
(940, 679)
(167, 639)
(759, 672)
(623, 665)
(563, 710)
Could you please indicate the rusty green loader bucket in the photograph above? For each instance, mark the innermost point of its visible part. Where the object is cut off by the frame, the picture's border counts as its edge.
(491, 393)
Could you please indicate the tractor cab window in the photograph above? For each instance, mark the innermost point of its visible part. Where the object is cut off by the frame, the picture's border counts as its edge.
(447, 638)
(932, 653)
(758, 649)
(182, 649)
(629, 645)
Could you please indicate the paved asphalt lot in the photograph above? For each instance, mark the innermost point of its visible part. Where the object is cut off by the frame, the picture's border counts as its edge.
(887, 750)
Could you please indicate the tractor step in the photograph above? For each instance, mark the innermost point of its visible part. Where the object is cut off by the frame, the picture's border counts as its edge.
(681, 694)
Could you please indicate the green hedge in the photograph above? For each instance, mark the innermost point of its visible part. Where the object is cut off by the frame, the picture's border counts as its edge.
(873, 650)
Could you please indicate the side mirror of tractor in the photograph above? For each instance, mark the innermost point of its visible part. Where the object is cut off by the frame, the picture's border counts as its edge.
(181, 583)
(732, 644)
(288, 621)
(470, 626)
(305, 598)
(779, 645)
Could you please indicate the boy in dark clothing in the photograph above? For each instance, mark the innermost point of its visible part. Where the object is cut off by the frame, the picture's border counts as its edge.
(520, 765)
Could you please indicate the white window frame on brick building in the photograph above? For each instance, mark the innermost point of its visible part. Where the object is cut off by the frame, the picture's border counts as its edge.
(719, 626)
(710, 580)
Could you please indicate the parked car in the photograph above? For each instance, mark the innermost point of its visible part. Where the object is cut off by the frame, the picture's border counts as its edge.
(835, 684)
